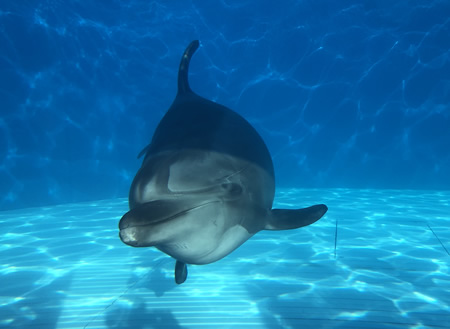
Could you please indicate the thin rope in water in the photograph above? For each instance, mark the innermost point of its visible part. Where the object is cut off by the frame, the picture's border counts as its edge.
(122, 294)
(335, 238)
(438, 240)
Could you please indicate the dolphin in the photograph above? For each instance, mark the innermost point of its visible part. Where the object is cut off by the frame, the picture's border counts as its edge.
(206, 184)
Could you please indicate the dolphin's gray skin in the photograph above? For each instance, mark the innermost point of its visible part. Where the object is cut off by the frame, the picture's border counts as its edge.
(206, 184)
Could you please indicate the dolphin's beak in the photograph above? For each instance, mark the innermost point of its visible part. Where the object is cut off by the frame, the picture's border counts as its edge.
(157, 211)
(137, 223)
(129, 236)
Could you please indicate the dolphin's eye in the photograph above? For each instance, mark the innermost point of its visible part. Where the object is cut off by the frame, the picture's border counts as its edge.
(232, 188)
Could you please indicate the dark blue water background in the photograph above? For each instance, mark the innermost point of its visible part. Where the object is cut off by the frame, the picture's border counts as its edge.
(345, 93)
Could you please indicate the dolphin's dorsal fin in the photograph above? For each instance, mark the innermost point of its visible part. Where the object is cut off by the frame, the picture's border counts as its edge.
(180, 272)
(183, 82)
(287, 219)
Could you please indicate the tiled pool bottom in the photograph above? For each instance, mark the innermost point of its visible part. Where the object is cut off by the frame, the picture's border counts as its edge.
(386, 266)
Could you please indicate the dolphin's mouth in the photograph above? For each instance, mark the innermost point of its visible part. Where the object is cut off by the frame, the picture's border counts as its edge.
(156, 212)
(136, 224)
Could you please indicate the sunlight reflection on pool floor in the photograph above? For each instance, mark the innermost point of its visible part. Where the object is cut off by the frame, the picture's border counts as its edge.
(65, 267)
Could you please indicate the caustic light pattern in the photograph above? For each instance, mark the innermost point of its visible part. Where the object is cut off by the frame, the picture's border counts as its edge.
(378, 259)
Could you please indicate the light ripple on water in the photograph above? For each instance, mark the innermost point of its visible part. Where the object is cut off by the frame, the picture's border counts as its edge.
(390, 269)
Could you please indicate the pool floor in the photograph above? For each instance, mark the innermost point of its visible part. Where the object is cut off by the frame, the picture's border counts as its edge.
(377, 259)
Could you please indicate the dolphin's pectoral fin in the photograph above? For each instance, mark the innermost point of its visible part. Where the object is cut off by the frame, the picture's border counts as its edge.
(180, 272)
(286, 219)
(144, 151)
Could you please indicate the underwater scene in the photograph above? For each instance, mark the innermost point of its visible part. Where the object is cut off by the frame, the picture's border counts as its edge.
(224, 164)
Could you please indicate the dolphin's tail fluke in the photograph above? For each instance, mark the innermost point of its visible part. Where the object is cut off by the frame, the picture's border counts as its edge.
(183, 82)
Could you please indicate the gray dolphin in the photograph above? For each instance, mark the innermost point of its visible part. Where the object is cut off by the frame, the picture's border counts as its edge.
(206, 184)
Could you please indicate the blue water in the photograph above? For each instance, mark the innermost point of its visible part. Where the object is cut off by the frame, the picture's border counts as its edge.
(352, 99)
(345, 93)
